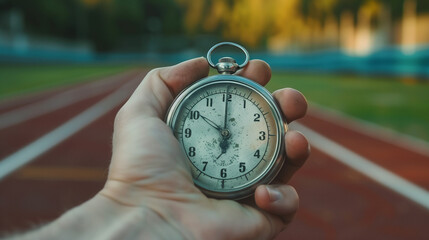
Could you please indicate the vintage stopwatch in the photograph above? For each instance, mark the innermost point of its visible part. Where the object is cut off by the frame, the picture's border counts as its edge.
(230, 129)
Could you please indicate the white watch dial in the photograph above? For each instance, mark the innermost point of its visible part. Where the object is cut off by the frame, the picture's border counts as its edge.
(231, 134)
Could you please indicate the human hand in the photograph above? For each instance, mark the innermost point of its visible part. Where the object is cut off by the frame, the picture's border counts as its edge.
(149, 170)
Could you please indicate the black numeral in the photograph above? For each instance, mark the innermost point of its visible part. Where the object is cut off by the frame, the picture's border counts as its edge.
(262, 135)
(257, 154)
(194, 115)
(223, 173)
(242, 167)
(205, 165)
(225, 97)
(188, 133)
(191, 152)
(209, 102)
(244, 103)
(257, 116)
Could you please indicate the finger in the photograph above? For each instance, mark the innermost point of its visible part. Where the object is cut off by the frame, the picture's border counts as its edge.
(258, 71)
(292, 103)
(297, 152)
(178, 77)
(160, 86)
(280, 201)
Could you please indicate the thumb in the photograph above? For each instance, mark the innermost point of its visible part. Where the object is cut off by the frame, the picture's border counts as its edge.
(160, 86)
(281, 201)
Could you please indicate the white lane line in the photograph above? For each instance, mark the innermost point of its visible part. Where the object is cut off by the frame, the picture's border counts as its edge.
(366, 167)
(371, 129)
(36, 96)
(58, 101)
(58, 135)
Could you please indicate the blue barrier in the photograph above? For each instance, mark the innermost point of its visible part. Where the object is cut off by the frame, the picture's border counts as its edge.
(385, 62)
(388, 61)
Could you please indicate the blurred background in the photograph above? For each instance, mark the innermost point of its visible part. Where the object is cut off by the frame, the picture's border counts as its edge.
(380, 38)
(363, 62)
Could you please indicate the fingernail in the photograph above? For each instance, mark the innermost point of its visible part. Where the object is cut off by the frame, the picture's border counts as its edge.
(274, 194)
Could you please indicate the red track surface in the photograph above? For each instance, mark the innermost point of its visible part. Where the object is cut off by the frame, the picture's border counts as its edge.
(337, 202)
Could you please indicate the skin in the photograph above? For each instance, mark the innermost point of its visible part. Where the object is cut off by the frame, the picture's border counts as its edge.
(149, 192)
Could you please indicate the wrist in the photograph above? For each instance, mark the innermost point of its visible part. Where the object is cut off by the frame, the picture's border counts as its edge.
(86, 221)
(103, 218)
(130, 222)
(157, 210)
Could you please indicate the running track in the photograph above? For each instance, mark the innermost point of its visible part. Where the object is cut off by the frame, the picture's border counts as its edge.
(361, 182)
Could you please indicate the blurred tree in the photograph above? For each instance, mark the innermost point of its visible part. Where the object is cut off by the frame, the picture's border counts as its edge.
(102, 31)
(47, 17)
(105, 23)
(194, 13)
(114, 24)
(113, 21)
(248, 22)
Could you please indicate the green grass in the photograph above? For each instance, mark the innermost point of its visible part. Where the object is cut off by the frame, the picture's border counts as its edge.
(22, 79)
(385, 101)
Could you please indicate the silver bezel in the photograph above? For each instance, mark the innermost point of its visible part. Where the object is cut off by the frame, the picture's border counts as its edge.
(275, 166)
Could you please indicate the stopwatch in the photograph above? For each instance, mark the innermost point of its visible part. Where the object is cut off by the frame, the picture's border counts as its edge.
(230, 129)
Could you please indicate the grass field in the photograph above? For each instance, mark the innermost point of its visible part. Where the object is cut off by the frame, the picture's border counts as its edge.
(389, 102)
(21, 79)
(397, 104)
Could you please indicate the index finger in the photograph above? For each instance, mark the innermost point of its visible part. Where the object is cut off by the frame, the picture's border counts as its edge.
(256, 70)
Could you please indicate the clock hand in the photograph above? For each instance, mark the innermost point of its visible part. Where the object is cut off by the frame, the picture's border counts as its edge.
(211, 123)
(226, 107)
(223, 145)
(225, 132)
(221, 154)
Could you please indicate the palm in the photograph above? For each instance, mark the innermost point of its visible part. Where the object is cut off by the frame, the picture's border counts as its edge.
(148, 157)
(163, 170)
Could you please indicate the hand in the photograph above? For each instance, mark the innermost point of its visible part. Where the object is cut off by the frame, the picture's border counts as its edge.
(149, 170)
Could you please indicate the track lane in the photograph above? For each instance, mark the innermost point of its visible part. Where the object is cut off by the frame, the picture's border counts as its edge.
(31, 195)
(23, 134)
(336, 202)
(400, 159)
(54, 101)
(16, 102)
(40, 191)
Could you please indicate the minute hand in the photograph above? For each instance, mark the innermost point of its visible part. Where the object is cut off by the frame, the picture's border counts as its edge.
(226, 107)
(211, 123)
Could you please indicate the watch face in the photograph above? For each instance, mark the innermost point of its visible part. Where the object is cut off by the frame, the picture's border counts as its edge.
(232, 134)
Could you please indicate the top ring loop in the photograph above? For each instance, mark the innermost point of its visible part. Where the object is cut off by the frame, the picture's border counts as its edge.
(209, 53)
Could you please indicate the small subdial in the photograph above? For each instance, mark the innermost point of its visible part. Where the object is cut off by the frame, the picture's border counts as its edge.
(231, 156)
